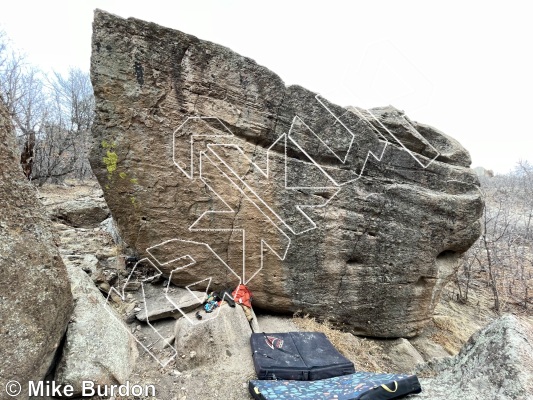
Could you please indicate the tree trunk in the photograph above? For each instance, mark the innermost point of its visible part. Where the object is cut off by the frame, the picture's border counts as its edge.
(28, 154)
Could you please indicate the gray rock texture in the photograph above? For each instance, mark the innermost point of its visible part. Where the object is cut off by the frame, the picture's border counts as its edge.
(158, 306)
(35, 298)
(217, 352)
(495, 364)
(194, 144)
(98, 346)
(403, 356)
(219, 338)
(428, 349)
(88, 213)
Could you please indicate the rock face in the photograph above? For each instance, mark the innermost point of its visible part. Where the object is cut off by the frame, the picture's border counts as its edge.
(495, 364)
(98, 346)
(219, 173)
(35, 297)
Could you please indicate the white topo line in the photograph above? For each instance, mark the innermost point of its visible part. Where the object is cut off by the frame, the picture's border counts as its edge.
(251, 195)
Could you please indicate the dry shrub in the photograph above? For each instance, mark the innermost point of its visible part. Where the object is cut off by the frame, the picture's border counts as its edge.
(363, 353)
(451, 333)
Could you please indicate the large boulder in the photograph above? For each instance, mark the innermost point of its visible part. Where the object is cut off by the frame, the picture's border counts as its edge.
(208, 162)
(35, 298)
(98, 346)
(495, 364)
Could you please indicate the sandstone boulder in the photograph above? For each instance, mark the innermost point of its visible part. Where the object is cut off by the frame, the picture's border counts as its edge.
(428, 349)
(403, 357)
(219, 338)
(216, 351)
(220, 174)
(98, 346)
(495, 364)
(35, 298)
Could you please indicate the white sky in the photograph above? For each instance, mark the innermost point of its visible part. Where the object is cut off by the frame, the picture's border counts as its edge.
(463, 67)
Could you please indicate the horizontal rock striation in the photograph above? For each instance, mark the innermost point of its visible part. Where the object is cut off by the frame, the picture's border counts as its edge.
(219, 173)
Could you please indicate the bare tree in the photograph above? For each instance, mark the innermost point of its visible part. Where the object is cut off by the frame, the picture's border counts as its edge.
(2, 48)
(63, 146)
(21, 91)
(502, 259)
(29, 113)
(75, 104)
(52, 117)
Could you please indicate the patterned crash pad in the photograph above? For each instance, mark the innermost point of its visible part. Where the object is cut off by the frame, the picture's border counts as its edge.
(358, 386)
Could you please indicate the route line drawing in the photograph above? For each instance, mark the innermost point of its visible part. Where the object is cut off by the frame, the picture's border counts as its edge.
(209, 162)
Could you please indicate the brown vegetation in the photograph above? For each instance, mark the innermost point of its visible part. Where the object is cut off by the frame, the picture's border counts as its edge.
(52, 114)
(364, 353)
(502, 259)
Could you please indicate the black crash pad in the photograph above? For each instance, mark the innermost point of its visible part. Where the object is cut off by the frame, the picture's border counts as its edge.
(302, 356)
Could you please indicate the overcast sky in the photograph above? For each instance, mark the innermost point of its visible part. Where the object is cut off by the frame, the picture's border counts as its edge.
(464, 67)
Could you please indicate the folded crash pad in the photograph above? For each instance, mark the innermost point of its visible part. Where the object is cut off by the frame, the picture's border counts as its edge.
(358, 386)
(303, 356)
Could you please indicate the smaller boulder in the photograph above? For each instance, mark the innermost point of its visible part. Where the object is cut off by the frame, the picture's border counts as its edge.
(98, 346)
(35, 297)
(428, 349)
(220, 338)
(495, 363)
(85, 213)
(402, 355)
(108, 225)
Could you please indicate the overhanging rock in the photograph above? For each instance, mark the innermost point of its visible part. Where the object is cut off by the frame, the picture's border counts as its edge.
(219, 173)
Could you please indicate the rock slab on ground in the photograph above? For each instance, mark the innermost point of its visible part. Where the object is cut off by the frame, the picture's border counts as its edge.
(86, 213)
(495, 364)
(158, 306)
(194, 144)
(403, 356)
(98, 346)
(428, 348)
(35, 297)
